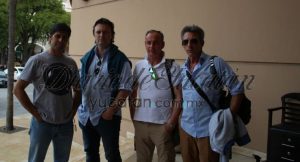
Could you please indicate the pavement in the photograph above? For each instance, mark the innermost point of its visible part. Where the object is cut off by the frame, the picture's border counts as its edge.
(14, 146)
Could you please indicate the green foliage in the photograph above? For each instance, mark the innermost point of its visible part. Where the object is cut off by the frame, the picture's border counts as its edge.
(3, 24)
(34, 19)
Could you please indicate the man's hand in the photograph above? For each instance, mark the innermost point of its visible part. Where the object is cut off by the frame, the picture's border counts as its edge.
(169, 127)
(36, 115)
(39, 118)
(108, 114)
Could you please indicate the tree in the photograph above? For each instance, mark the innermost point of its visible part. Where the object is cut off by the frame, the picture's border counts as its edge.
(34, 19)
(11, 58)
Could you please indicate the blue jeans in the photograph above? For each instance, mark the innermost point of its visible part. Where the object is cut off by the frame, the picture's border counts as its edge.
(109, 131)
(42, 133)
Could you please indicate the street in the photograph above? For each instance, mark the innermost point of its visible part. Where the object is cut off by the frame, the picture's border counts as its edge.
(18, 109)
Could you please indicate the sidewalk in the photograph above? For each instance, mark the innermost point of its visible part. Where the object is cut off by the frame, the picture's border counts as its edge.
(14, 146)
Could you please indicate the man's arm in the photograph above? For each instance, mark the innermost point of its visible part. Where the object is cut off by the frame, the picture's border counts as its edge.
(176, 109)
(22, 96)
(76, 100)
(132, 102)
(235, 102)
(116, 104)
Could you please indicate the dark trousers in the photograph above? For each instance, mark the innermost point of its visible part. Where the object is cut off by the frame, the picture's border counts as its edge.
(109, 131)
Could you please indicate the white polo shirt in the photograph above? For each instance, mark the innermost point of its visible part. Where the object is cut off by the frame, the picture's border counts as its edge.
(154, 99)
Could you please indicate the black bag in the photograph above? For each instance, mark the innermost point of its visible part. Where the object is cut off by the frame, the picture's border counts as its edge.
(244, 110)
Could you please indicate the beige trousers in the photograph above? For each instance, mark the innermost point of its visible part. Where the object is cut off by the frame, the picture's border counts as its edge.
(196, 149)
(147, 137)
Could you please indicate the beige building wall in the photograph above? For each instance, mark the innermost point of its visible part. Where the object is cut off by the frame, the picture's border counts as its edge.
(260, 39)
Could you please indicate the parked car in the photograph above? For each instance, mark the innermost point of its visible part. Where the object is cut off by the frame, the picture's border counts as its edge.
(17, 71)
(3, 79)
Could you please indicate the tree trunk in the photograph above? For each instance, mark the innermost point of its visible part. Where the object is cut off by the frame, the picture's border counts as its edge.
(11, 64)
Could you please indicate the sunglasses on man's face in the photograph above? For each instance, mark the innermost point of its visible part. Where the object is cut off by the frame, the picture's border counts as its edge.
(192, 41)
(153, 73)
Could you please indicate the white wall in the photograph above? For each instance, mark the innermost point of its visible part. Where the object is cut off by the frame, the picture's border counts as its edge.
(256, 37)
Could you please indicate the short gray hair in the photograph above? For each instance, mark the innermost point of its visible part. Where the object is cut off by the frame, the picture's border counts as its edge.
(193, 29)
(155, 31)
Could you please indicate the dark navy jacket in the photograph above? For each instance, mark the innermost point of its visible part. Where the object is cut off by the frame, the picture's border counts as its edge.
(116, 60)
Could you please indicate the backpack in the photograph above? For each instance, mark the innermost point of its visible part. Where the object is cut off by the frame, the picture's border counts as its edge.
(244, 110)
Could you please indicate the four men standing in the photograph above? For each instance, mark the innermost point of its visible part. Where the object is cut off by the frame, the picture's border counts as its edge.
(159, 87)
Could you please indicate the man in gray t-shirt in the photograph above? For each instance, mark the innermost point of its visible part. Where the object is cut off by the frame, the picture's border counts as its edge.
(56, 97)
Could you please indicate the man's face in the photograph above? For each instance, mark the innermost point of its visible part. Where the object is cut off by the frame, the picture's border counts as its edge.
(58, 41)
(154, 44)
(191, 44)
(103, 35)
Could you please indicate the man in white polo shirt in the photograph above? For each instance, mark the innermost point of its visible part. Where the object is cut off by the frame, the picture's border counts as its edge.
(154, 114)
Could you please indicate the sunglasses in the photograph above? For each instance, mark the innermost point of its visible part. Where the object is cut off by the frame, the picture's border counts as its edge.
(192, 41)
(97, 70)
(153, 73)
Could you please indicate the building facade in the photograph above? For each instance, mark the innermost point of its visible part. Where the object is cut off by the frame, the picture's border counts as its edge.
(259, 39)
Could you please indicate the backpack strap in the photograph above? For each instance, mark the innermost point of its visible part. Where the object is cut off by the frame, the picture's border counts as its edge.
(168, 65)
(217, 80)
(200, 91)
(213, 69)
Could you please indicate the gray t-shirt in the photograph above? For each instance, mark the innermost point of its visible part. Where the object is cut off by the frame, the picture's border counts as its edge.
(53, 78)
